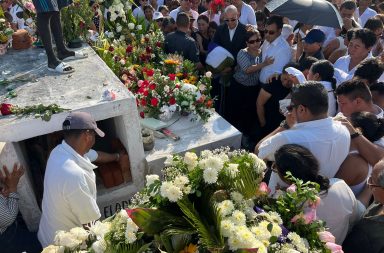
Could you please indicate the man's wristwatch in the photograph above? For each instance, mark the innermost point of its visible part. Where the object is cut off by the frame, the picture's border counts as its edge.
(284, 124)
(354, 135)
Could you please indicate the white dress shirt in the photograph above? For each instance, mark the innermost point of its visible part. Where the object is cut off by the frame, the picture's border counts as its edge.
(327, 139)
(280, 50)
(339, 209)
(343, 64)
(176, 11)
(367, 14)
(247, 16)
(331, 98)
(138, 13)
(232, 32)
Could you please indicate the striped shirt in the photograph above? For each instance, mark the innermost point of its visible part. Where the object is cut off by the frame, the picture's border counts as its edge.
(50, 5)
(244, 61)
(9, 207)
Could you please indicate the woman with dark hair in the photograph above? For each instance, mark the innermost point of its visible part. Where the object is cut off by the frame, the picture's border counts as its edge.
(338, 206)
(202, 37)
(245, 87)
(148, 14)
(355, 169)
(323, 72)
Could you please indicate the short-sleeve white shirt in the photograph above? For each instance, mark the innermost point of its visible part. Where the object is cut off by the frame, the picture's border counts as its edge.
(176, 11)
(343, 64)
(367, 14)
(69, 198)
(282, 53)
(327, 139)
(247, 16)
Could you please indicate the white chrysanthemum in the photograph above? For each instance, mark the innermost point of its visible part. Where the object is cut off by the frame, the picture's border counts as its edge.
(181, 181)
(187, 189)
(170, 191)
(238, 217)
(227, 228)
(215, 163)
(53, 249)
(276, 217)
(99, 246)
(66, 239)
(99, 229)
(233, 169)
(123, 214)
(80, 233)
(226, 207)
(190, 159)
(119, 28)
(261, 233)
(169, 161)
(131, 226)
(259, 165)
(250, 213)
(237, 197)
(299, 242)
(234, 243)
(131, 26)
(210, 175)
(205, 153)
(276, 229)
(246, 237)
(151, 179)
(130, 236)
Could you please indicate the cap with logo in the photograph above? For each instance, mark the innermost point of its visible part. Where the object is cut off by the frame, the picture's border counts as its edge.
(314, 35)
(81, 121)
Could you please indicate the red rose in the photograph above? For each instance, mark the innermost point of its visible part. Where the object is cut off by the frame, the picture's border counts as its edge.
(111, 49)
(154, 102)
(172, 77)
(143, 102)
(142, 115)
(146, 93)
(152, 86)
(148, 50)
(209, 103)
(150, 72)
(6, 109)
(172, 101)
(158, 44)
(129, 49)
(145, 83)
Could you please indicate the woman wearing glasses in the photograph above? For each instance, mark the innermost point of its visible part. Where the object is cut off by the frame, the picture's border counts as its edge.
(338, 206)
(244, 88)
(368, 234)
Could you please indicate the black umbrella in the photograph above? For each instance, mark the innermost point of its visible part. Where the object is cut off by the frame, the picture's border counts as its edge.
(311, 12)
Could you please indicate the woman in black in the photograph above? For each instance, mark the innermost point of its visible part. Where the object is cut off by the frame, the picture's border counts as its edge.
(202, 37)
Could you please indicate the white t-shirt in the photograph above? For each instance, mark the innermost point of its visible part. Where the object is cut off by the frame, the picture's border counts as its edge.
(339, 209)
(327, 139)
(367, 14)
(69, 198)
(248, 16)
(176, 11)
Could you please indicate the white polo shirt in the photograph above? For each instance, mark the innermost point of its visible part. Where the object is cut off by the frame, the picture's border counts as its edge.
(247, 16)
(69, 198)
(367, 14)
(327, 139)
(282, 53)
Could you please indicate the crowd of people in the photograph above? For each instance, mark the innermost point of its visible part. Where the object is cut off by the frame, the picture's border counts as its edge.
(308, 99)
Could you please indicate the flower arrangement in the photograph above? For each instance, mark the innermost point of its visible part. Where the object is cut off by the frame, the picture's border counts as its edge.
(217, 6)
(5, 29)
(209, 203)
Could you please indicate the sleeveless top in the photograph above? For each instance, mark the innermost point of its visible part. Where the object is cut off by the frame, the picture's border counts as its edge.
(358, 188)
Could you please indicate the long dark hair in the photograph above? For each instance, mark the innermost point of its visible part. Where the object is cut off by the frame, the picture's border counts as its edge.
(371, 127)
(325, 70)
(301, 163)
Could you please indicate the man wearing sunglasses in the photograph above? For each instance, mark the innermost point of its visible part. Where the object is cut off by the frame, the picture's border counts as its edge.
(274, 46)
(309, 126)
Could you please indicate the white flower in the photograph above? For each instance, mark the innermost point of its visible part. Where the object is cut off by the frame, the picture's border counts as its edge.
(66, 239)
(190, 159)
(261, 233)
(226, 207)
(227, 228)
(113, 16)
(111, 35)
(276, 229)
(238, 218)
(53, 249)
(131, 26)
(122, 38)
(139, 27)
(151, 179)
(99, 246)
(99, 229)
(80, 233)
(181, 181)
(205, 153)
(122, 62)
(215, 163)
(119, 28)
(169, 161)
(188, 87)
(237, 197)
(130, 237)
(133, 34)
(202, 87)
(208, 74)
(2, 20)
(276, 217)
(171, 192)
(123, 214)
(131, 226)
(166, 88)
(210, 175)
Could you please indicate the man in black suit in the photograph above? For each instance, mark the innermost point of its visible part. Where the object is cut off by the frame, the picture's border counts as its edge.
(230, 36)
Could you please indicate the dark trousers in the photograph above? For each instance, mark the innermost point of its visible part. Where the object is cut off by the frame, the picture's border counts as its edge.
(17, 239)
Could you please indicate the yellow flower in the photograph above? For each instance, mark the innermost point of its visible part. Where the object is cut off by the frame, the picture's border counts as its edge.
(191, 248)
(186, 81)
(171, 62)
(179, 74)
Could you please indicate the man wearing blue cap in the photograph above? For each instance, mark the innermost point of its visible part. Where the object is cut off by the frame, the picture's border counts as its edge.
(312, 45)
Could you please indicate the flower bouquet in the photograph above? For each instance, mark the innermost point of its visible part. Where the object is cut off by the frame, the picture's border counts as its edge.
(217, 6)
(5, 33)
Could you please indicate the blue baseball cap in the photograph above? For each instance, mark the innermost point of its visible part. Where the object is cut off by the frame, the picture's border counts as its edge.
(314, 35)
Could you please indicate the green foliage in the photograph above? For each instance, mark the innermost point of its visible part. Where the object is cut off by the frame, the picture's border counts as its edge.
(75, 20)
(38, 111)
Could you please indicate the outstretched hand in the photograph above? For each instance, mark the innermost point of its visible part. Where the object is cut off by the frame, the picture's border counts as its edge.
(10, 180)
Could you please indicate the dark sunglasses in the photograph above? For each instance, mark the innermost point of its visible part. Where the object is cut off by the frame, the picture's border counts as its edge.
(270, 32)
(253, 41)
(230, 20)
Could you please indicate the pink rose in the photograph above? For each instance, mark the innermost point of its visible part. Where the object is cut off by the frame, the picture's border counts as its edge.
(310, 216)
(334, 248)
(263, 187)
(296, 218)
(315, 204)
(326, 236)
(291, 188)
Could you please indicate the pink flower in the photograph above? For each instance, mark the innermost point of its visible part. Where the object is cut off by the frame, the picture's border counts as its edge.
(316, 203)
(334, 248)
(263, 187)
(297, 217)
(310, 216)
(291, 188)
(326, 236)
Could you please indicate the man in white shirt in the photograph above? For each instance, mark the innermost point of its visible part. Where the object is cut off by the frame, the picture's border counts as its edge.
(355, 96)
(364, 12)
(139, 12)
(327, 139)
(359, 49)
(247, 14)
(185, 6)
(274, 46)
(69, 198)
